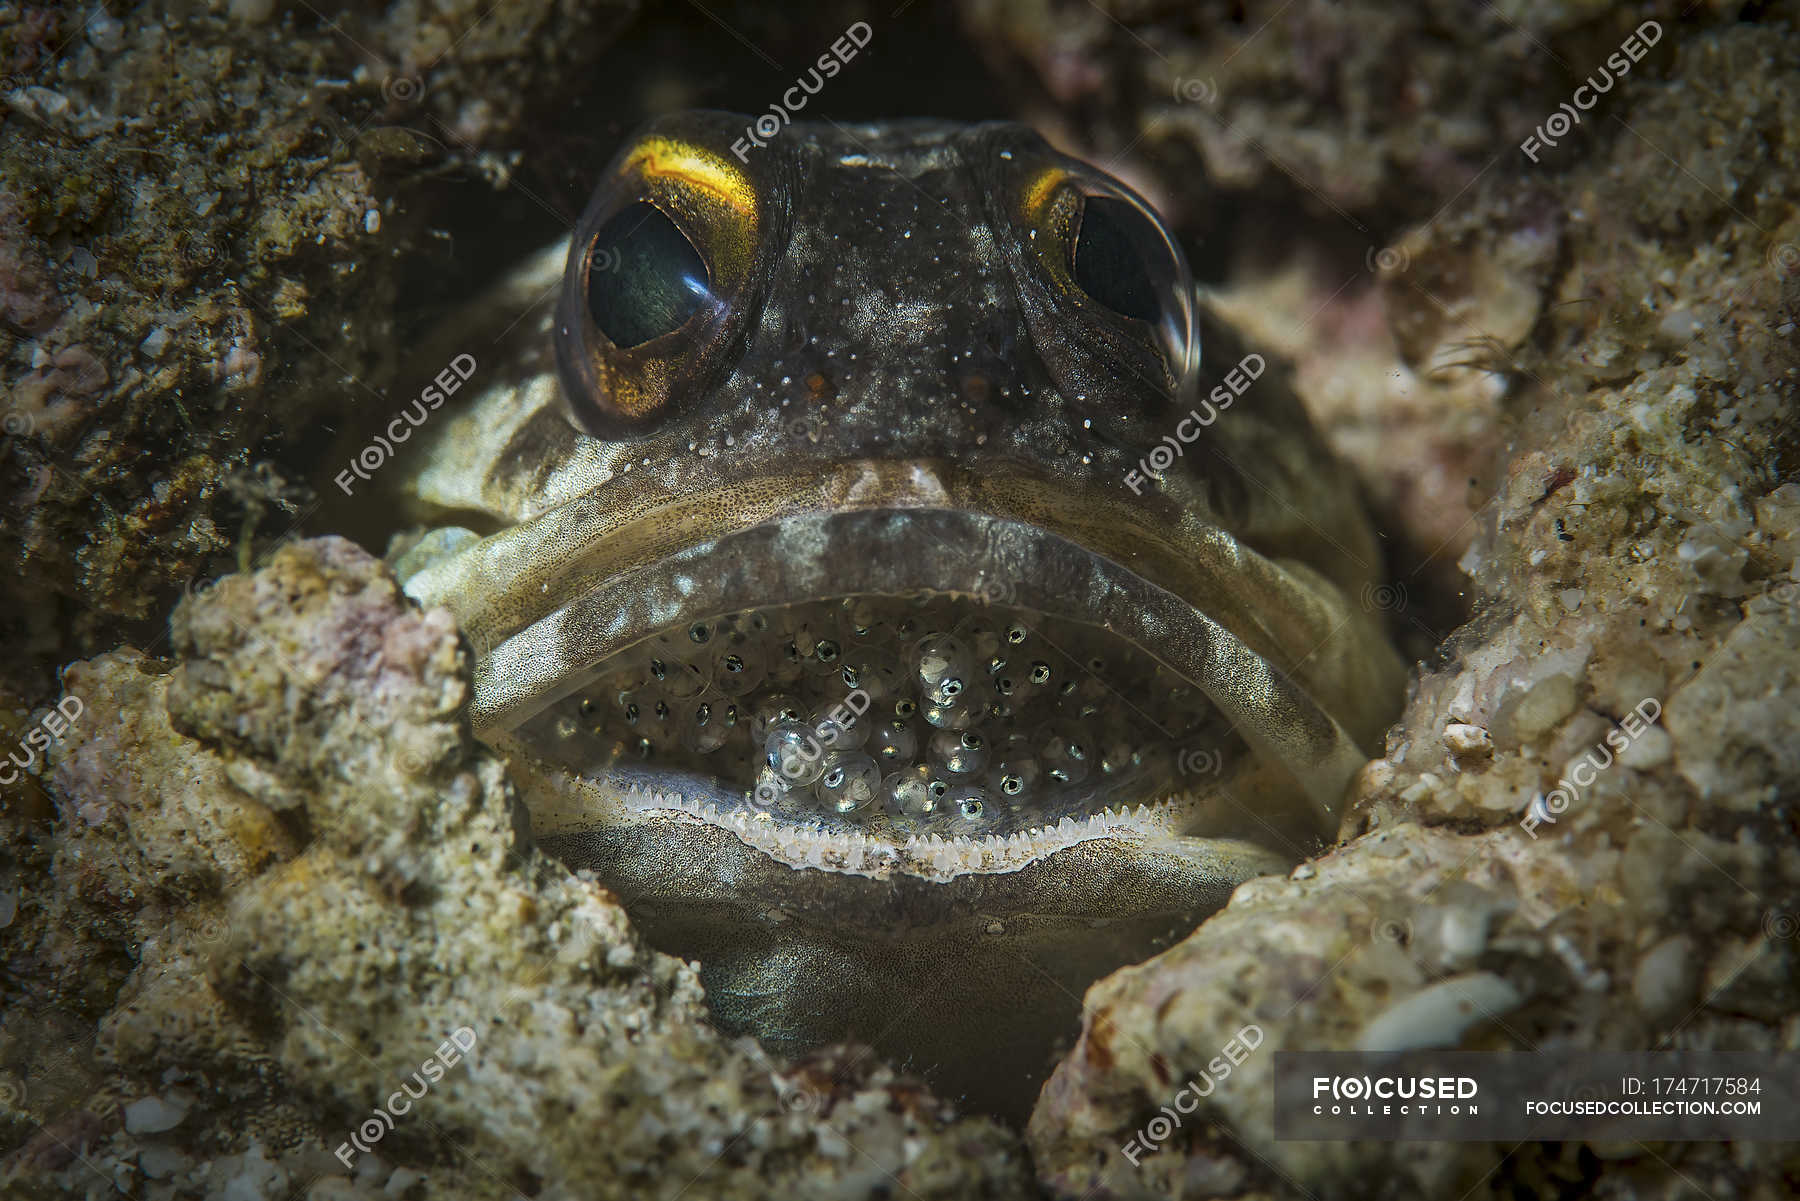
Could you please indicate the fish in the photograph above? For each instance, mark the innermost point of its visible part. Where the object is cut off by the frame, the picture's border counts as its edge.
(889, 576)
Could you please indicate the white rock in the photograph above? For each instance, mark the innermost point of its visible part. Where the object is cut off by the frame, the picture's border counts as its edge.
(1437, 1016)
(401, 1180)
(159, 1163)
(1462, 935)
(1467, 741)
(251, 1176)
(1652, 748)
(42, 103)
(1544, 707)
(106, 33)
(1664, 981)
(153, 1115)
(1679, 325)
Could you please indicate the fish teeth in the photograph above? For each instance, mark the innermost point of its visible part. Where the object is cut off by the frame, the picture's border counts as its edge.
(930, 855)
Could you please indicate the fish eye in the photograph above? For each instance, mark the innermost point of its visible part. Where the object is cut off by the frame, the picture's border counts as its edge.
(666, 272)
(1110, 262)
(1103, 284)
(644, 277)
(1122, 257)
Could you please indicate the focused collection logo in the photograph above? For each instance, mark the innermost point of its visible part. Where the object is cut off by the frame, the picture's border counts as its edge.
(1387, 1095)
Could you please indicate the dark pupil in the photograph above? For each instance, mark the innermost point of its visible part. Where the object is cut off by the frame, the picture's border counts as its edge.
(645, 278)
(1109, 259)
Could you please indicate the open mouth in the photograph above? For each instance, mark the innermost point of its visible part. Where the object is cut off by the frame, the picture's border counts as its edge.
(891, 678)
(895, 716)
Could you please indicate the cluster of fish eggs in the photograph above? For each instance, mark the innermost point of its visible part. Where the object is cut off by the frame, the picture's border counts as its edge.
(908, 715)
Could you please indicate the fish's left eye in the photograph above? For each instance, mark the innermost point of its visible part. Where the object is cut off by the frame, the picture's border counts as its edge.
(1110, 261)
(1102, 283)
(1122, 257)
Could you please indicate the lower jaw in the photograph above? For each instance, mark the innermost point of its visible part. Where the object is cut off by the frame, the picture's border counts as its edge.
(966, 979)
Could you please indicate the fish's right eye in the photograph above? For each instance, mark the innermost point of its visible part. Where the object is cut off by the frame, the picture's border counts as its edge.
(644, 277)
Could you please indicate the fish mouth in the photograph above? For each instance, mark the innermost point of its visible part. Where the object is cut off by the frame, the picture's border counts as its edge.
(885, 674)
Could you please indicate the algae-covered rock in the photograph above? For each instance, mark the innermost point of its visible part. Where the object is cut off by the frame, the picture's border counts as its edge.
(198, 204)
(339, 925)
(1580, 835)
(1369, 108)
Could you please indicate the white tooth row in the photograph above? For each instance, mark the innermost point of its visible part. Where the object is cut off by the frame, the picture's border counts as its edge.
(930, 856)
